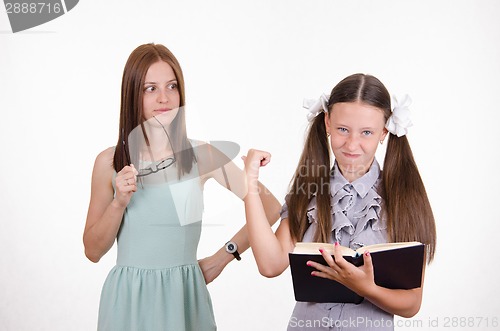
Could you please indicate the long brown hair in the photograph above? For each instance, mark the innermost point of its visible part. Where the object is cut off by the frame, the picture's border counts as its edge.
(134, 75)
(405, 203)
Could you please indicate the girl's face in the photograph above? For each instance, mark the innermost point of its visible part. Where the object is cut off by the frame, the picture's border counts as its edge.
(355, 131)
(160, 93)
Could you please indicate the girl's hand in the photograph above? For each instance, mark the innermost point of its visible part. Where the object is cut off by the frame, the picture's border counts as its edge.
(254, 160)
(211, 267)
(126, 184)
(359, 279)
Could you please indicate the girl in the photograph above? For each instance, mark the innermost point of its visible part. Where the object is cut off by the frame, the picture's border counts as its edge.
(152, 206)
(352, 204)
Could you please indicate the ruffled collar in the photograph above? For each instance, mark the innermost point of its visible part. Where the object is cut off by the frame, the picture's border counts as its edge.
(362, 185)
(358, 199)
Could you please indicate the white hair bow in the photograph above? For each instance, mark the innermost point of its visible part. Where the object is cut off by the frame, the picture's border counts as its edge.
(399, 122)
(316, 106)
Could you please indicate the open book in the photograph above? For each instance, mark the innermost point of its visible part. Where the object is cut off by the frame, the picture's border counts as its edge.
(396, 266)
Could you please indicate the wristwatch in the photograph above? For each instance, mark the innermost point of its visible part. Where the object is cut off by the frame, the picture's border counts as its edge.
(232, 248)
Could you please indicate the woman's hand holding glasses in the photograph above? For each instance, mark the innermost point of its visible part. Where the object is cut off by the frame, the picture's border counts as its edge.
(126, 184)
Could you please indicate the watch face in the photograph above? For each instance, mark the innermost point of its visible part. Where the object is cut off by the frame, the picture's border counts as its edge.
(231, 247)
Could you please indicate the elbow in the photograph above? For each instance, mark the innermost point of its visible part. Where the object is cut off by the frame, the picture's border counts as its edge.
(92, 256)
(93, 248)
(269, 272)
(411, 311)
(270, 267)
(409, 314)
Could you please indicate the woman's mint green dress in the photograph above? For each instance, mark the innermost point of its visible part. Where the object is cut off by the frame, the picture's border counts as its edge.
(157, 283)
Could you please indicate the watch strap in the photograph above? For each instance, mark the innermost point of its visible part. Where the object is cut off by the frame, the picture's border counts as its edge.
(232, 248)
(237, 255)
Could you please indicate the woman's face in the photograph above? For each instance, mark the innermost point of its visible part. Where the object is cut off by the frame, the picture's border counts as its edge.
(355, 131)
(160, 93)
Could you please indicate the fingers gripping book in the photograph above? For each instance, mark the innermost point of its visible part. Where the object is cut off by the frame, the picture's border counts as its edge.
(395, 265)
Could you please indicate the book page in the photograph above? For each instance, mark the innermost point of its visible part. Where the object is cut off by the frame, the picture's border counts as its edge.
(387, 246)
(313, 248)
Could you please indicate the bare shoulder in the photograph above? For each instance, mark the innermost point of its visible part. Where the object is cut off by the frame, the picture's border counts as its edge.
(214, 151)
(202, 150)
(103, 165)
(196, 142)
(198, 145)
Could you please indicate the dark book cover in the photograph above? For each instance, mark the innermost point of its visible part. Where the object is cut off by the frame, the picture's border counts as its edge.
(399, 268)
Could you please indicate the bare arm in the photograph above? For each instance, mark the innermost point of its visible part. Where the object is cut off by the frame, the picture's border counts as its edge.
(233, 178)
(270, 249)
(105, 211)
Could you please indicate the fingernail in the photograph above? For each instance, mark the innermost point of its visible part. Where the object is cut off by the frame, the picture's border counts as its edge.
(336, 243)
(313, 273)
(367, 253)
(308, 263)
(321, 250)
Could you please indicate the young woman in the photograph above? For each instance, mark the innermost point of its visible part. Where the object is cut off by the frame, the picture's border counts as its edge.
(352, 204)
(147, 193)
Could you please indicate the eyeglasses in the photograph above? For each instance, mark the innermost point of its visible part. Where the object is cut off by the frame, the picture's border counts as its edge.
(153, 167)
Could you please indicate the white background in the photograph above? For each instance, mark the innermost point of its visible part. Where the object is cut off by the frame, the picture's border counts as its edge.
(248, 65)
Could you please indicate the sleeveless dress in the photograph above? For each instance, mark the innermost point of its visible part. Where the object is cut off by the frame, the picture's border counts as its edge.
(157, 284)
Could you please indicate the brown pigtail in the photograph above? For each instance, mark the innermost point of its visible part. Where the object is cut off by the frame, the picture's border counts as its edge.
(312, 178)
(406, 206)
